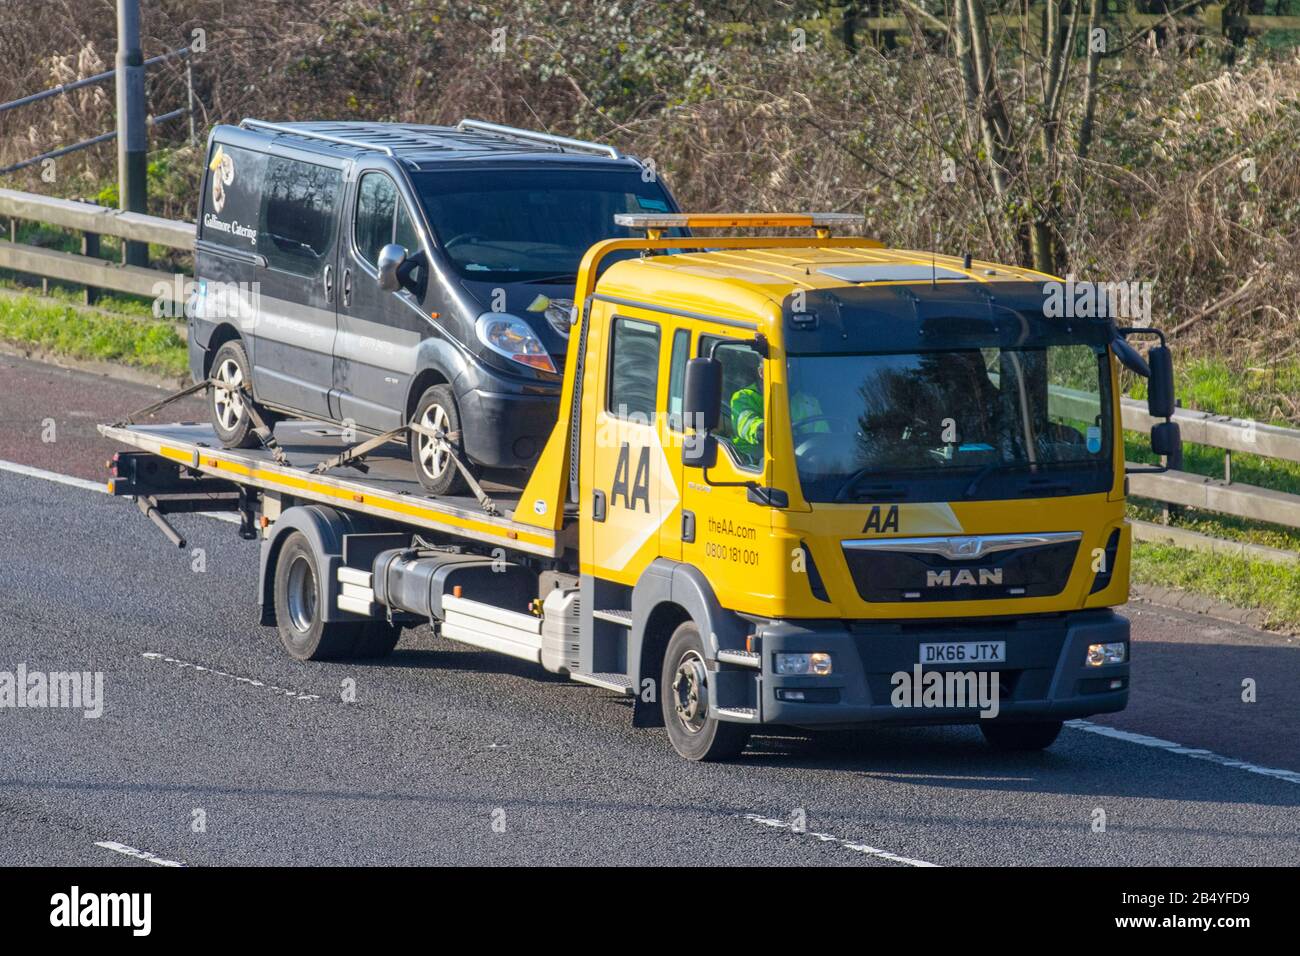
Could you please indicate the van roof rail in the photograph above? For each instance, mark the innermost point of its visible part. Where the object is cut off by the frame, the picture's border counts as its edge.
(533, 136)
(312, 134)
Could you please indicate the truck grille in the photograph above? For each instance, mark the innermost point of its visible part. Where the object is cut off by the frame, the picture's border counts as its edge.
(962, 568)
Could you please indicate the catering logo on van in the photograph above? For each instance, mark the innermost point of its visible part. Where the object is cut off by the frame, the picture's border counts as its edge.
(223, 174)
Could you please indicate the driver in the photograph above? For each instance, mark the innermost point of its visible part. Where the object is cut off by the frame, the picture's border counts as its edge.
(747, 416)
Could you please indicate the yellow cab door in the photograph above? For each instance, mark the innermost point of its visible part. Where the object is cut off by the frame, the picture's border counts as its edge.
(732, 543)
(631, 488)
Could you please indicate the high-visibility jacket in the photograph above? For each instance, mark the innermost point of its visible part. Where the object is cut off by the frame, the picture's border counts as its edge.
(747, 418)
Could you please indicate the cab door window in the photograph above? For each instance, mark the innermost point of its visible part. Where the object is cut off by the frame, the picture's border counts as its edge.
(743, 429)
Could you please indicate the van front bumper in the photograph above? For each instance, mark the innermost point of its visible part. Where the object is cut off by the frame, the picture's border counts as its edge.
(506, 430)
(1045, 675)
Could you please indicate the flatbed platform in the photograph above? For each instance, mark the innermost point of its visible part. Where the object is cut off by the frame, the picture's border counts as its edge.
(388, 489)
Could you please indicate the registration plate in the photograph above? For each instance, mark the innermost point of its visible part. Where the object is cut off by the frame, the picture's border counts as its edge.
(965, 652)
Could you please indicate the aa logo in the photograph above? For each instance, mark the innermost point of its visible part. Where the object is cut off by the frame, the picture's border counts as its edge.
(880, 522)
(639, 488)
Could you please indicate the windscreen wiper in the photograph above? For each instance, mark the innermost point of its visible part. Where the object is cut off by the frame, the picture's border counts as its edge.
(563, 277)
(882, 491)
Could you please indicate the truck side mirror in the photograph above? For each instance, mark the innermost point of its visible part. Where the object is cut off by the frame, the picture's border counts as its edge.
(1160, 386)
(702, 411)
(391, 258)
(1167, 441)
(702, 403)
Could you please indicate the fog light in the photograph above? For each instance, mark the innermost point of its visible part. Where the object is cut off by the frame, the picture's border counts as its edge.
(817, 664)
(1100, 655)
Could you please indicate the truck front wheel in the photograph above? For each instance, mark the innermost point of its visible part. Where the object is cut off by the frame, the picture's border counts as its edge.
(687, 702)
(1027, 736)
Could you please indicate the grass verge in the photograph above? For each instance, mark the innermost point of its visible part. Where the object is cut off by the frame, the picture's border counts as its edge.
(1271, 588)
(85, 334)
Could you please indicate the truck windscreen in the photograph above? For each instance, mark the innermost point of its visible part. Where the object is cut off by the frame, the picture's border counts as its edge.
(950, 425)
(530, 225)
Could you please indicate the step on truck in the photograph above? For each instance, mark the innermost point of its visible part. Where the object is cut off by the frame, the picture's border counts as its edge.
(794, 480)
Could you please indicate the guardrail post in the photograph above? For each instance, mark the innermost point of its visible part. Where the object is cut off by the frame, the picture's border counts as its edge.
(90, 247)
(1227, 466)
(132, 142)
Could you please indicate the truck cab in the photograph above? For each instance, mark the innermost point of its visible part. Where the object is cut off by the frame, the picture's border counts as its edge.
(806, 469)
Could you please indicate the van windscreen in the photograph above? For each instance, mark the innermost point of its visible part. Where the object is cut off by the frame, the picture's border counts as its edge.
(530, 225)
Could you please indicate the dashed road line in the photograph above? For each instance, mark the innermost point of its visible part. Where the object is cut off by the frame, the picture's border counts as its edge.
(830, 838)
(287, 692)
(138, 854)
(1290, 776)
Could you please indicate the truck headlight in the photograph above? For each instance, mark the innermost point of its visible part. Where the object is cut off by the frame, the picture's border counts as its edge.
(818, 664)
(512, 337)
(1099, 655)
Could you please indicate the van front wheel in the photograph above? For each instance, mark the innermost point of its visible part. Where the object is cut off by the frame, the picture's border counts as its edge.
(437, 412)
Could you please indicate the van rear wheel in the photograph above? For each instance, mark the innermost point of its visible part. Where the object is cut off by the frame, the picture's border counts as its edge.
(229, 397)
(437, 411)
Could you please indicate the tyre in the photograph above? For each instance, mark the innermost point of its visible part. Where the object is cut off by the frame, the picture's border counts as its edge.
(376, 639)
(229, 397)
(437, 472)
(686, 702)
(300, 604)
(1038, 735)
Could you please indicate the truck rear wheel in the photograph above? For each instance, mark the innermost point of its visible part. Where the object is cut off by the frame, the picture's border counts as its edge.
(1038, 735)
(300, 605)
(686, 700)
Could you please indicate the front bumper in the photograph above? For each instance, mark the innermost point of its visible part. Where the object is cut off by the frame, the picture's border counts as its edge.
(1044, 676)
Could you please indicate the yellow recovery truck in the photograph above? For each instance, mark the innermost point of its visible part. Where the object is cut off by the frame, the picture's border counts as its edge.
(797, 481)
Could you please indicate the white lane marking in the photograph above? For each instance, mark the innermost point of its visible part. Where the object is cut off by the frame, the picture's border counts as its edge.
(295, 694)
(54, 476)
(1290, 776)
(138, 854)
(828, 838)
(86, 485)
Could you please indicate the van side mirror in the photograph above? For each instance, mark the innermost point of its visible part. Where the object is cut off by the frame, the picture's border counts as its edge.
(391, 259)
(1160, 386)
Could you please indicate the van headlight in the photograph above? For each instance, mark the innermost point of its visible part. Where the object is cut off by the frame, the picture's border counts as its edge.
(512, 337)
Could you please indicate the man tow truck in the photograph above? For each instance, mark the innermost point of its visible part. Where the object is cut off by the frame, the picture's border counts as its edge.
(937, 483)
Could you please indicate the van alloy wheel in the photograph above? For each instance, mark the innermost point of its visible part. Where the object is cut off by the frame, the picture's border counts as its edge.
(228, 395)
(435, 459)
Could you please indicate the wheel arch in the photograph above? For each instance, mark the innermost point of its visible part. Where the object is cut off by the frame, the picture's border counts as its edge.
(221, 334)
(324, 528)
(667, 595)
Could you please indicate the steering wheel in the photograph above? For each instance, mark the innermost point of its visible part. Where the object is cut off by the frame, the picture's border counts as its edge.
(462, 237)
(810, 444)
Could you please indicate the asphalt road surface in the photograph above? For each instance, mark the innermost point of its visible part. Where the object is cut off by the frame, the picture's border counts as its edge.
(215, 748)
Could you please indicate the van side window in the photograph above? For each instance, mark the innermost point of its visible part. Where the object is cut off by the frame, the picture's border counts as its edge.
(382, 218)
(634, 369)
(299, 214)
(677, 377)
(744, 399)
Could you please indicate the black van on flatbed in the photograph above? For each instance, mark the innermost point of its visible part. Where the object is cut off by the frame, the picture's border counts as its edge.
(375, 274)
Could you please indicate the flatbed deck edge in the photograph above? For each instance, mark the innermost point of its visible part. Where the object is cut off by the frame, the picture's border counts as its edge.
(354, 494)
